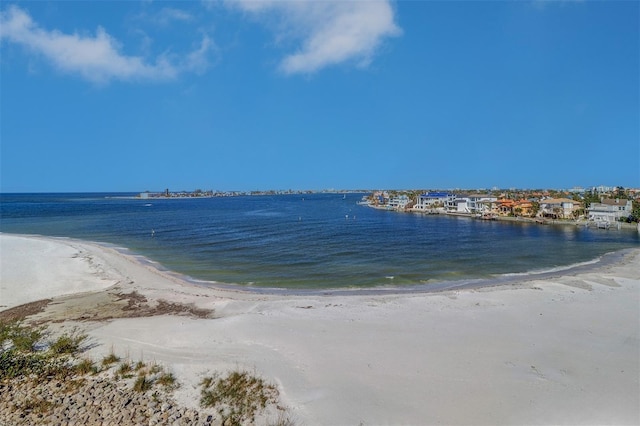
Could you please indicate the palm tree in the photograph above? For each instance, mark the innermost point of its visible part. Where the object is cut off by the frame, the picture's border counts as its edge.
(535, 208)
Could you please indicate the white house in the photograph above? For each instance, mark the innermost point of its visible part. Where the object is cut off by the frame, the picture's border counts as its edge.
(432, 200)
(399, 202)
(610, 209)
(461, 205)
(479, 203)
(558, 207)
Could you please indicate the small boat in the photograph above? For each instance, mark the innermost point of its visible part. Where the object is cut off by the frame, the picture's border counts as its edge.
(603, 224)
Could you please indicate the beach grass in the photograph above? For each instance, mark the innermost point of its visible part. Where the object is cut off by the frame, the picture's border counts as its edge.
(142, 383)
(26, 353)
(238, 396)
(112, 358)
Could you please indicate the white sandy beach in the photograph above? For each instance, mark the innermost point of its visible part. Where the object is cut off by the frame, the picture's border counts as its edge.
(564, 350)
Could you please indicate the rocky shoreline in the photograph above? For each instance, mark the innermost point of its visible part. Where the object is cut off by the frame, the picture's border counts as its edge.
(91, 401)
(51, 381)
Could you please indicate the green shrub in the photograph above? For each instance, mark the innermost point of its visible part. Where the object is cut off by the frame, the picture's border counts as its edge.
(68, 343)
(15, 363)
(20, 357)
(22, 338)
(5, 332)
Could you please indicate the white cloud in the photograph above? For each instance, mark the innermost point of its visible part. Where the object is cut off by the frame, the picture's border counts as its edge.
(329, 32)
(96, 58)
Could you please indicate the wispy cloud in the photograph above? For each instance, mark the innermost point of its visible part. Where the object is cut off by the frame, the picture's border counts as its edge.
(198, 60)
(326, 32)
(96, 58)
(170, 14)
(165, 16)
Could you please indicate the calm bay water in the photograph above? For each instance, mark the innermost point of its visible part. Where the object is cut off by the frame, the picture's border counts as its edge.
(307, 241)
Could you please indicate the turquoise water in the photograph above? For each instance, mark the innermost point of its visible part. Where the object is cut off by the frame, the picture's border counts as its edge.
(311, 241)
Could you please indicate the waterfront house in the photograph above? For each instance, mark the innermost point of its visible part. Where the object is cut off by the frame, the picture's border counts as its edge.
(461, 205)
(432, 200)
(558, 208)
(523, 208)
(480, 203)
(610, 210)
(399, 202)
(508, 207)
(504, 206)
(379, 198)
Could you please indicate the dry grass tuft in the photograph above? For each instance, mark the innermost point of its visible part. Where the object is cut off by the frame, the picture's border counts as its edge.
(238, 396)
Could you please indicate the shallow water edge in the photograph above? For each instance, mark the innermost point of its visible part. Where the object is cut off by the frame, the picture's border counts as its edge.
(508, 279)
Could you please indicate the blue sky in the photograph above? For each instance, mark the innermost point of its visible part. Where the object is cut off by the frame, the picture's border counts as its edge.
(247, 95)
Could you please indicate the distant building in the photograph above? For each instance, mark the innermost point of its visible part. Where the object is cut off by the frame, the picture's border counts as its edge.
(610, 209)
(602, 189)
